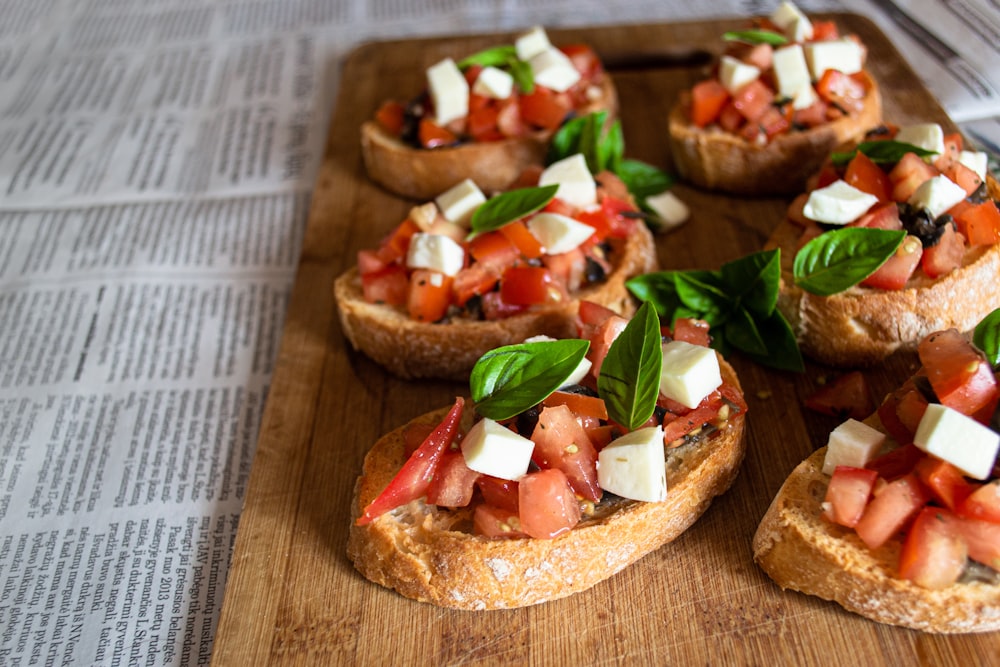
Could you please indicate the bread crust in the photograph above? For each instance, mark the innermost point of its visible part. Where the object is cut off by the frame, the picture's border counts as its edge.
(412, 349)
(420, 173)
(714, 159)
(413, 550)
(801, 551)
(862, 326)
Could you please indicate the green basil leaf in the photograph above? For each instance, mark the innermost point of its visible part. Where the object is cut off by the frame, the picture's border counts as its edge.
(566, 139)
(509, 206)
(986, 337)
(508, 380)
(659, 289)
(755, 279)
(524, 78)
(629, 381)
(703, 292)
(880, 152)
(837, 260)
(755, 37)
(782, 348)
(642, 179)
(742, 333)
(497, 56)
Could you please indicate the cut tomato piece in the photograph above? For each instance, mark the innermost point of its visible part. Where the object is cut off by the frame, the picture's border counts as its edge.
(824, 30)
(690, 421)
(528, 286)
(545, 108)
(548, 504)
(847, 396)
(891, 508)
(494, 251)
(482, 124)
(498, 492)
(881, 216)
(894, 274)
(753, 99)
(961, 377)
(847, 494)
(982, 503)
(395, 244)
(601, 338)
(933, 555)
(582, 405)
(964, 177)
(495, 308)
(429, 295)
(868, 177)
(896, 463)
(453, 482)
(708, 97)
(842, 90)
(526, 243)
(908, 175)
(561, 442)
(432, 135)
(944, 256)
(983, 540)
(980, 223)
(691, 330)
(390, 116)
(944, 481)
(475, 280)
(390, 286)
(492, 521)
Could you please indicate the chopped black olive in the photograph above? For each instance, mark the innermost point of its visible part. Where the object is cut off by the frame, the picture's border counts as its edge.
(594, 271)
(919, 223)
(527, 420)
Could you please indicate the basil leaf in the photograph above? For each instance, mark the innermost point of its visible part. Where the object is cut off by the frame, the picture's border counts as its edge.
(782, 348)
(701, 291)
(659, 289)
(498, 56)
(567, 138)
(986, 337)
(755, 278)
(643, 180)
(880, 152)
(508, 380)
(742, 333)
(524, 78)
(837, 260)
(755, 37)
(629, 381)
(509, 206)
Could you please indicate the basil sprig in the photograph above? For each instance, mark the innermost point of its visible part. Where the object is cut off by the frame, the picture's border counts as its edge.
(508, 380)
(629, 381)
(739, 301)
(504, 57)
(755, 37)
(986, 336)
(837, 260)
(509, 206)
(880, 152)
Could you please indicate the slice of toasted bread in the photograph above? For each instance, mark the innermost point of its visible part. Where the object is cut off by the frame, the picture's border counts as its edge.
(449, 350)
(420, 173)
(429, 554)
(800, 550)
(862, 326)
(714, 159)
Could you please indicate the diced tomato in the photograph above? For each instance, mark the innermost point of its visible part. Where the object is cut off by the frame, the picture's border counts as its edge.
(429, 295)
(390, 286)
(896, 463)
(545, 108)
(568, 269)
(509, 120)
(415, 476)
(432, 135)
(847, 494)
(964, 177)
(601, 338)
(846, 396)
(776, 120)
(498, 492)
(390, 116)
(708, 97)
(944, 256)
(897, 270)
(585, 60)
(495, 308)
(983, 540)
(952, 150)
(369, 262)
(730, 119)
(692, 420)
(824, 30)
(982, 503)
(813, 115)
(559, 206)
(615, 210)
(980, 223)
(842, 90)
(397, 242)
(961, 377)
(601, 436)
(691, 330)
(548, 504)
(482, 124)
(414, 435)
(884, 215)
(492, 521)
(891, 508)
(908, 175)
(753, 99)
(528, 285)
(933, 555)
(561, 442)
(760, 56)
(591, 408)
(526, 243)
(494, 251)
(944, 481)
(868, 177)
(592, 314)
(453, 482)
(472, 281)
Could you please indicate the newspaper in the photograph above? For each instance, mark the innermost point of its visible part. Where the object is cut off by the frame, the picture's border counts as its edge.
(156, 166)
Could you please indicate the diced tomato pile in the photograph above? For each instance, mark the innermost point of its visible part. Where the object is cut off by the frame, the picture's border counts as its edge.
(974, 221)
(506, 271)
(491, 119)
(940, 516)
(569, 428)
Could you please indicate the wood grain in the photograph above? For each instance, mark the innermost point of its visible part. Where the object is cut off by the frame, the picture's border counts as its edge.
(293, 598)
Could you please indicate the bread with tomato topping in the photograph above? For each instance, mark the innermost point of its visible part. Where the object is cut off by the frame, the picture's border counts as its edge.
(431, 555)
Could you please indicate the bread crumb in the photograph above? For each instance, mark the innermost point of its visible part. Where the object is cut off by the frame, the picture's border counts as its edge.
(501, 568)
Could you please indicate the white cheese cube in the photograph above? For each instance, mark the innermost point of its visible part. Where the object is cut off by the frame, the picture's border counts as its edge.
(531, 43)
(558, 233)
(928, 136)
(572, 175)
(804, 98)
(669, 208)
(839, 54)
(838, 203)
(497, 451)
(633, 466)
(790, 70)
(853, 443)
(581, 369)
(553, 69)
(459, 202)
(734, 73)
(689, 372)
(449, 91)
(800, 30)
(792, 22)
(436, 252)
(494, 83)
(937, 195)
(960, 440)
(977, 161)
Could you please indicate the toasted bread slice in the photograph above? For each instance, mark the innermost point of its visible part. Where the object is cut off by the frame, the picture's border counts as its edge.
(800, 550)
(420, 173)
(714, 159)
(449, 350)
(429, 554)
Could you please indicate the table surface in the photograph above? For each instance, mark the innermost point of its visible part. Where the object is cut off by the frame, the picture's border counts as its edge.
(293, 597)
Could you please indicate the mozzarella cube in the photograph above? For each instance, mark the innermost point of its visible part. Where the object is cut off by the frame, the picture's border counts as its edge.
(960, 440)
(977, 161)
(928, 136)
(531, 43)
(576, 184)
(558, 233)
(669, 208)
(578, 373)
(801, 30)
(449, 91)
(804, 98)
(839, 54)
(734, 73)
(790, 70)
(792, 22)
(553, 69)
(497, 451)
(689, 372)
(494, 83)
(838, 203)
(937, 195)
(459, 202)
(633, 466)
(853, 443)
(436, 252)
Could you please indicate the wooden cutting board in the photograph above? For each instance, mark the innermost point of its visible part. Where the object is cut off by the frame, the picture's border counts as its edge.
(293, 597)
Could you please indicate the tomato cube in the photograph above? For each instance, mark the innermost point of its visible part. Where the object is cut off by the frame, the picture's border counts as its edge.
(453, 482)
(432, 135)
(390, 116)
(983, 540)
(501, 493)
(753, 99)
(944, 256)
(561, 442)
(894, 274)
(960, 376)
(545, 108)
(390, 286)
(980, 223)
(429, 295)
(847, 396)
(528, 285)
(891, 508)
(492, 521)
(896, 463)
(847, 495)
(908, 175)
(933, 555)
(868, 177)
(707, 100)
(884, 215)
(548, 505)
(526, 243)
(692, 331)
(944, 481)
(982, 503)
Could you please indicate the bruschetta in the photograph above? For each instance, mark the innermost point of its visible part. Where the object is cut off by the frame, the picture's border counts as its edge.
(547, 484)
(485, 118)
